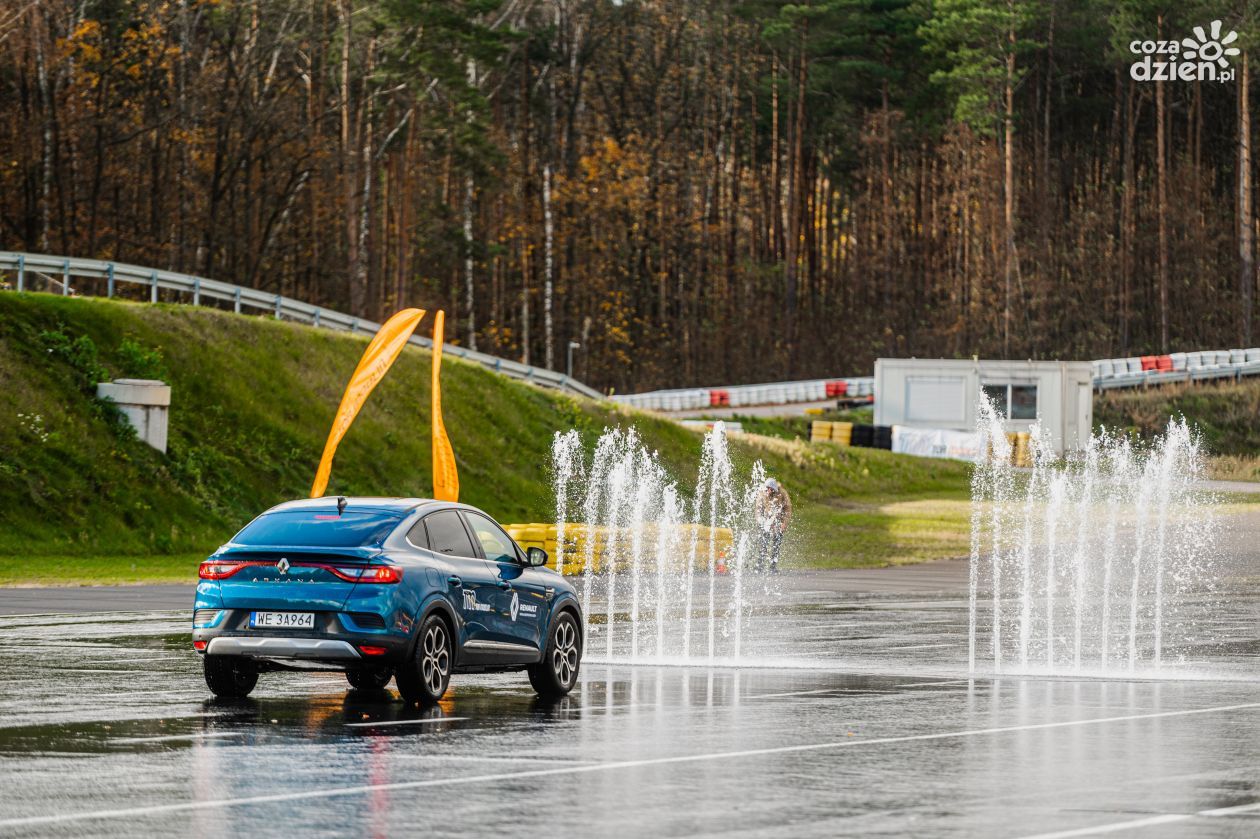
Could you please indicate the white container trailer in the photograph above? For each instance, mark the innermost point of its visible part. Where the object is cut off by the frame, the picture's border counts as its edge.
(944, 393)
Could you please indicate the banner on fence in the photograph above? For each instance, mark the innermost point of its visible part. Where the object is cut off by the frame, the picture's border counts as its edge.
(936, 442)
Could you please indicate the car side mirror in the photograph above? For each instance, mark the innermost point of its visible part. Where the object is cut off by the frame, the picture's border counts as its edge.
(536, 556)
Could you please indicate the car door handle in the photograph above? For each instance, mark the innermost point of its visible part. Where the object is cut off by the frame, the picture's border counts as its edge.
(455, 581)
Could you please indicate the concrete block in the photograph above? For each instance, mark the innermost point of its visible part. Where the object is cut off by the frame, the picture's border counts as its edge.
(146, 405)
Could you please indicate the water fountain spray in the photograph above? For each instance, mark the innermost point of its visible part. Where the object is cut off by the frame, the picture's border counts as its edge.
(1108, 542)
(646, 544)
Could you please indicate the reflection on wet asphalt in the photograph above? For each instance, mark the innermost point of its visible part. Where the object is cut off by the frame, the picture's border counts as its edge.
(853, 717)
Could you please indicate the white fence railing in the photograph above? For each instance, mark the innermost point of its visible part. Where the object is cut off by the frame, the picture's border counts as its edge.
(737, 396)
(59, 272)
(1176, 367)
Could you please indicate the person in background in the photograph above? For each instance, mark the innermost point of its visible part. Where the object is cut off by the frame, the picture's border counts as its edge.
(773, 511)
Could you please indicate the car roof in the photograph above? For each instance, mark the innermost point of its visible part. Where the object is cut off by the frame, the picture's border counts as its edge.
(360, 503)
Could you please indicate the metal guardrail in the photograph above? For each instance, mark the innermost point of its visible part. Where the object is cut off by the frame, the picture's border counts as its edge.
(1189, 369)
(1226, 371)
(743, 396)
(241, 297)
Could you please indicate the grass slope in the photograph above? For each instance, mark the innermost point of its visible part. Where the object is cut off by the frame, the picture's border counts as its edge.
(797, 427)
(1225, 413)
(252, 401)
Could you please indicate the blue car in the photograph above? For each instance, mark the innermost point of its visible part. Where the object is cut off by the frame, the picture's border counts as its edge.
(404, 588)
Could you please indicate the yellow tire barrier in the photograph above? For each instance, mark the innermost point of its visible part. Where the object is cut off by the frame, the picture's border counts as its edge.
(832, 432)
(1021, 448)
(614, 546)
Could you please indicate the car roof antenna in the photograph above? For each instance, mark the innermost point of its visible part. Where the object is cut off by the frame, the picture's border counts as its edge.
(341, 504)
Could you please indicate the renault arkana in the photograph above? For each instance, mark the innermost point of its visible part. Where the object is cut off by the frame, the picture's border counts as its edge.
(407, 589)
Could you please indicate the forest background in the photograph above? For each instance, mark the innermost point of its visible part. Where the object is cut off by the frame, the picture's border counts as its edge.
(698, 192)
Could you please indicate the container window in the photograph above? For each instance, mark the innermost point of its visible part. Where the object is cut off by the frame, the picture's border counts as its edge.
(1023, 402)
(1014, 402)
(997, 395)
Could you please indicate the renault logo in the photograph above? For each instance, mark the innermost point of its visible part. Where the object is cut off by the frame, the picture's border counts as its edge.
(516, 605)
(283, 565)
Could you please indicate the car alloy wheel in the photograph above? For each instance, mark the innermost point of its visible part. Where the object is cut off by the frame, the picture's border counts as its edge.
(435, 661)
(555, 673)
(564, 657)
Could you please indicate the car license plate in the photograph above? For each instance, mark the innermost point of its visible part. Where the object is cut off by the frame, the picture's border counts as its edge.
(282, 620)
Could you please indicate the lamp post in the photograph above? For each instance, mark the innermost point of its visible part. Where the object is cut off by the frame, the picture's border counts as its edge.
(573, 345)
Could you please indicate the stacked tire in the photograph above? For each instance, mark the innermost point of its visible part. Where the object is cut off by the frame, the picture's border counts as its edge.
(863, 435)
(881, 437)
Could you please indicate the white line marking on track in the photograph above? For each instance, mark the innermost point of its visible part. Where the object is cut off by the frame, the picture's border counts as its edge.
(1150, 821)
(165, 737)
(884, 696)
(333, 792)
(381, 723)
(92, 670)
(148, 694)
(789, 693)
(487, 759)
(596, 707)
(812, 692)
(147, 658)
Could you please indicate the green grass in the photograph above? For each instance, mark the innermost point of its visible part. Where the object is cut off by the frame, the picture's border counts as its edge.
(1234, 468)
(97, 570)
(1225, 413)
(252, 401)
(890, 534)
(905, 509)
(797, 428)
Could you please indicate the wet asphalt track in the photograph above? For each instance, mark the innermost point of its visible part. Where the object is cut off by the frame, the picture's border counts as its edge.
(932, 577)
(106, 729)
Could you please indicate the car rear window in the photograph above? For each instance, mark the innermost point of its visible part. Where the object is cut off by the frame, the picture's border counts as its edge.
(312, 529)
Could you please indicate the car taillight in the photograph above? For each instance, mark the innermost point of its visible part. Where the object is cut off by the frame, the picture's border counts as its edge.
(371, 650)
(199, 646)
(212, 570)
(380, 574)
(367, 573)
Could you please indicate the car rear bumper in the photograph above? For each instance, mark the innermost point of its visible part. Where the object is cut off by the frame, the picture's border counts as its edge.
(314, 649)
(336, 639)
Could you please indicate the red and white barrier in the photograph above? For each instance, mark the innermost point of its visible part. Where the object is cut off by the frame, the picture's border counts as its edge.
(1109, 373)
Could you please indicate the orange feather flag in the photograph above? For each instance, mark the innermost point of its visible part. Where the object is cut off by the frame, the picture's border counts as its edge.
(376, 361)
(445, 475)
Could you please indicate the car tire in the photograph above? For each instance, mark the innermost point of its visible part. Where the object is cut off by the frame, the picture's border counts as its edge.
(229, 677)
(369, 678)
(557, 673)
(425, 678)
